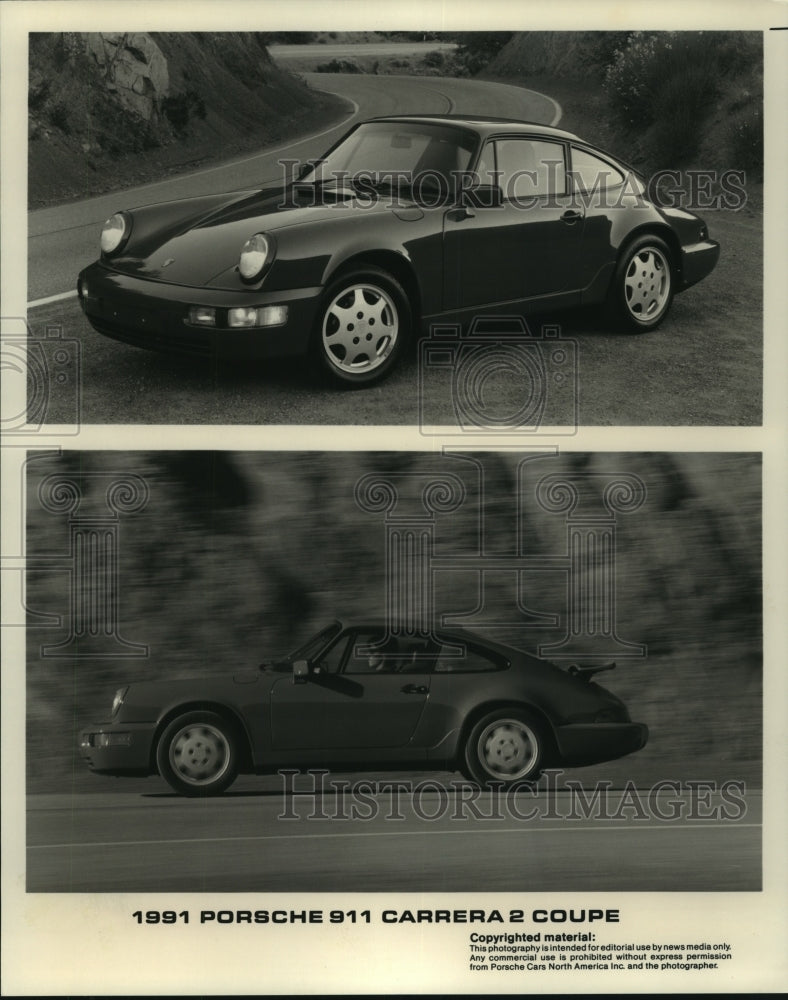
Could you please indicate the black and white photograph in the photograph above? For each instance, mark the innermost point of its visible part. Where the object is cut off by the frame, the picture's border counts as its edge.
(240, 227)
(394, 672)
(393, 475)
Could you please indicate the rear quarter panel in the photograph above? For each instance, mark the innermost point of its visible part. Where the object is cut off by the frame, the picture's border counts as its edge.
(457, 700)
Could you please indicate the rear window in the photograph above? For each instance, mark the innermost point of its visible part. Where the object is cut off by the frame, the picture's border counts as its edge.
(591, 172)
(467, 660)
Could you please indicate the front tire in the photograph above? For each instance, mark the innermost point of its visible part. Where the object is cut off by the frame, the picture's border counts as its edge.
(363, 326)
(643, 285)
(197, 754)
(505, 747)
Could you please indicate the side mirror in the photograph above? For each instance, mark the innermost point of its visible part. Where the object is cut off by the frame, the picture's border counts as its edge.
(300, 671)
(482, 196)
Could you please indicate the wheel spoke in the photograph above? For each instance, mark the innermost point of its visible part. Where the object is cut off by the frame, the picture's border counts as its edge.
(647, 283)
(507, 749)
(360, 328)
(199, 754)
(379, 313)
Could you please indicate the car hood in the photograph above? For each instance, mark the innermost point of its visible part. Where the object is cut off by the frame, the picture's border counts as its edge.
(197, 242)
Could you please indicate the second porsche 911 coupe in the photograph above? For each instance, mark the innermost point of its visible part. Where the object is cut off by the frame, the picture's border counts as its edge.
(357, 697)
(405, 222)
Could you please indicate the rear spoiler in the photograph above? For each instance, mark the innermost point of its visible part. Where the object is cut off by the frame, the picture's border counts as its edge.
(586, 672)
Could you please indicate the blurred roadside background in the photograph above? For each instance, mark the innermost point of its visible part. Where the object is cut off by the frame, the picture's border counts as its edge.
(107, 110)
(228, 558)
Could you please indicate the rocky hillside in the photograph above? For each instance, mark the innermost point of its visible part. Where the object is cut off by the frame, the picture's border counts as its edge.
(107, 109)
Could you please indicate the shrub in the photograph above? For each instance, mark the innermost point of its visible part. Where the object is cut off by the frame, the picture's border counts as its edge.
(653, 75)
(476, 49)
(679, 107)
(599, 49)
(338, 66)
(180, 109)
(744, 140)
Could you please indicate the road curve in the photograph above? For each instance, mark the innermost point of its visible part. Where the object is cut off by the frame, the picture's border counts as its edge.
(258, 839)
(63, 239)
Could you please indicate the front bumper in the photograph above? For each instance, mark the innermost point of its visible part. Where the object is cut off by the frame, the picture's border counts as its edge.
(118, 748)
(592, 743)
(697, 261)
(151, 314)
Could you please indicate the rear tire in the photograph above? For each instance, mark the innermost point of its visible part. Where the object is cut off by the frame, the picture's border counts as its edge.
(643, 285)
(197, 754)
(505, 747)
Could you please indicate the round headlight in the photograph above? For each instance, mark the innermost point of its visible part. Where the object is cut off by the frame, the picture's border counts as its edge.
(114, 232)
(254, 256)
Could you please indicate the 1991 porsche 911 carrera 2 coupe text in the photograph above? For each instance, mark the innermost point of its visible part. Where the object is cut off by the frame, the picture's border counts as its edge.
(405, 222)
(357, 697)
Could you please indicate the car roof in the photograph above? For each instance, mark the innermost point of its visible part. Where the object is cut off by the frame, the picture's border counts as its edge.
(447, 632)
(483, 124)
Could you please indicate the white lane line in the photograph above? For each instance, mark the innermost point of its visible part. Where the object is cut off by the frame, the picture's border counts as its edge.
(202, 170)
(559, 112)
(52, 298)
(448, 100)
(67, 295)
(263, 152)
(391, 833)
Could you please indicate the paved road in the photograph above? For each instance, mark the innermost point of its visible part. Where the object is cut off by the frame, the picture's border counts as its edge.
(64, 238)
(362, 50)
(154, 841)
(703, 366)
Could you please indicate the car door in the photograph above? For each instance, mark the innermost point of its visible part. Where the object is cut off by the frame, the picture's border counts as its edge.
(523, 247)
(354, 699)
(603, 190)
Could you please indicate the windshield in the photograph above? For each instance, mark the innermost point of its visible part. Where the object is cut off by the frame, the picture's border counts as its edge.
(396, 152)
(312, 646)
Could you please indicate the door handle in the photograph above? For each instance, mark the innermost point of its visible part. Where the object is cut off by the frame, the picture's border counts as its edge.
(415, 689)
(571, 216)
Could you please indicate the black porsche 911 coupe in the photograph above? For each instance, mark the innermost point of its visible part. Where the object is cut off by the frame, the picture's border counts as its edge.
(405, 222)
(359, 697)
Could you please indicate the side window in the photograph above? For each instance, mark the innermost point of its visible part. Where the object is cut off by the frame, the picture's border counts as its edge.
(471, 661)
(486, 165)
(530, 168)
(591, 173)
(373, 653)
